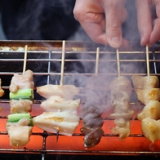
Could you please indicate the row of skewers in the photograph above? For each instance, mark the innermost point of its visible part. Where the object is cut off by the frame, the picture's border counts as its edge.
(148, 94)
(61, 109)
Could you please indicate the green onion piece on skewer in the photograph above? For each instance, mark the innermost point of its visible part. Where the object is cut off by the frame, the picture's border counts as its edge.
(14, 118)
(22, 94)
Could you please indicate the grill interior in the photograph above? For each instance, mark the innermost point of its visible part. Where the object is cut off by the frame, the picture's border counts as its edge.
(84, 64)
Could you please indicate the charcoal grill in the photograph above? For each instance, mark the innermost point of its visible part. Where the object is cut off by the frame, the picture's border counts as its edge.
(82, 62)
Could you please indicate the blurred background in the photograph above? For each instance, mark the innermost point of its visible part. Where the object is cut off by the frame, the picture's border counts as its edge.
(51, 20)
(2, 34)
(39, 20)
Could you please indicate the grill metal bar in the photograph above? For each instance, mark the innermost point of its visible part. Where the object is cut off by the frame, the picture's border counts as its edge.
(51, 56)
(154, 62)
(49, 67)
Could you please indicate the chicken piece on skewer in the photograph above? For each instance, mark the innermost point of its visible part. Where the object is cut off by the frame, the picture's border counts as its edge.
(151, 110)
(146, 95)
(63, 122)
(92, 136)
(121, 116)
(146, 88)
(151, 129)
(64, 91)
(121, 84)
(19, 135)
(92, 125)
(19, 128)
(145, 82)
(19, 124)
(21, 92)
(121, 91)
(1, 90)
(20, 106)
(21, 81)
(57, 103)
(61, 109)
(91, 113)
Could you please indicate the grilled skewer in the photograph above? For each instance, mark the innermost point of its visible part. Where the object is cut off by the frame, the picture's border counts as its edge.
(19, 125)
(148, 93)
(120, 100)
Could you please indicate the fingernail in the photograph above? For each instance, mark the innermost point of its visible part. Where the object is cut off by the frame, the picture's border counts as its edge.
(143, 41)
(142, 38)
(116, 42)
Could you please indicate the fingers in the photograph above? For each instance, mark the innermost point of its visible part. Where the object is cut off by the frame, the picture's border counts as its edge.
(144, 20)
(102, 20)
(155, 34)
(91, 17)
(115, 15)
(149, 29)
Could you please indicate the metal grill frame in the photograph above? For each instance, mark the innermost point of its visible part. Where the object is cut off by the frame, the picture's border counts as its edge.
(55, 47)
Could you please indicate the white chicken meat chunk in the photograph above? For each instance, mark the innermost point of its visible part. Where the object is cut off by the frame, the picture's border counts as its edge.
(57, 103)
(121, 84)
(145, 82)
(21, 106)
(151, 110)
(121, 90)
(146, 95)
(64, 122)
(64, 91)
(151, 129)
(125, 115)
(120, 101)
(122, 128)
(22, 81)
(19, 135)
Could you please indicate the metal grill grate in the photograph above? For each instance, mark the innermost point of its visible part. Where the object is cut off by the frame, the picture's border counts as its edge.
(82, 63)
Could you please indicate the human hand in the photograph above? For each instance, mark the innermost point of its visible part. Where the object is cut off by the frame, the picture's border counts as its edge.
(102, 20)
(149, 26)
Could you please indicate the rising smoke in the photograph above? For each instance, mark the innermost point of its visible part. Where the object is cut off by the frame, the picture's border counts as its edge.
(54, 20)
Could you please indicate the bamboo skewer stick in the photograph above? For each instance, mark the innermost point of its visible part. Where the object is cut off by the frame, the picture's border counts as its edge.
(25, 58)
(118, 62)
(147, 60)
(97, 61)
(62, 62)
(49, 67)
(62, 74)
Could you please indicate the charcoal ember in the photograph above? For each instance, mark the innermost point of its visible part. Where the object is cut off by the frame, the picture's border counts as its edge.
(93, 138)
